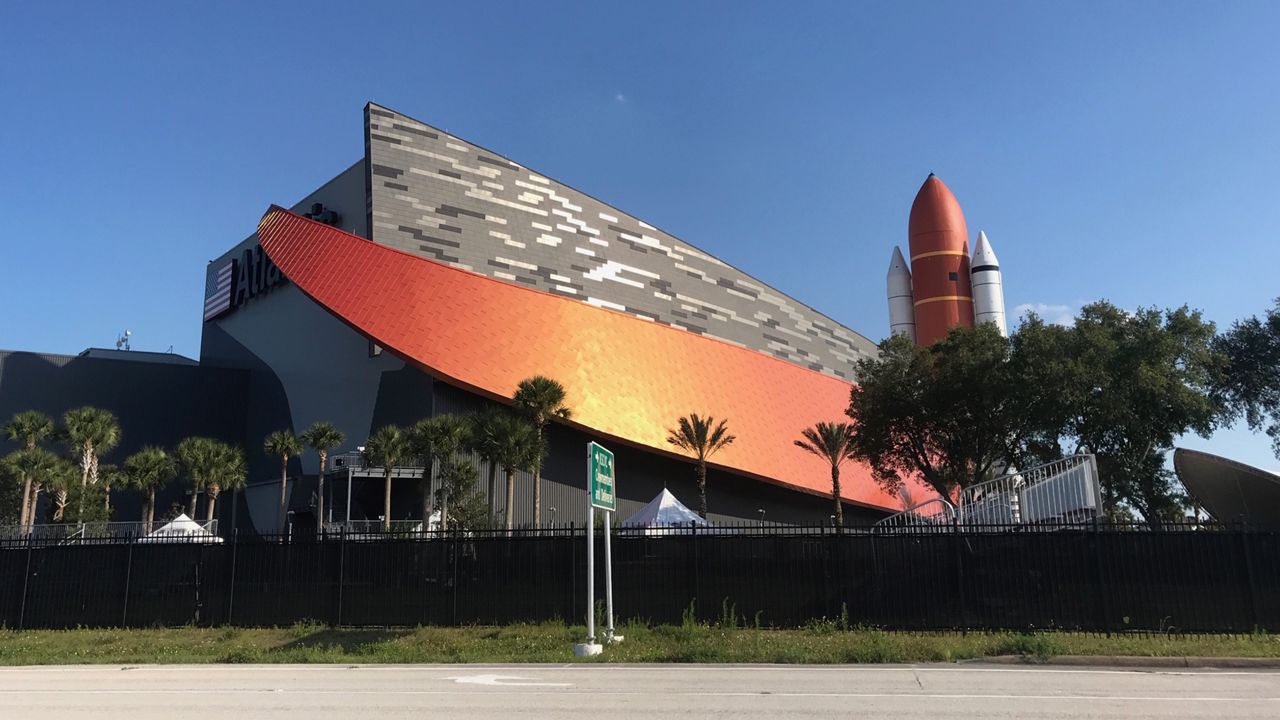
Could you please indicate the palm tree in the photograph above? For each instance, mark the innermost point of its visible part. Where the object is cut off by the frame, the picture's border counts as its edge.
(435, 440)
(282, 444)
(227, 472)
(481, 441)
(196, 455)
(540, 399)
(61, 477)
(516, 446)
(386, 448)
(322, 437)
(702, 438)
(110, 476)
(31, 466)
(28, 428)
(832, 442)
(148, 470)
(90, 432)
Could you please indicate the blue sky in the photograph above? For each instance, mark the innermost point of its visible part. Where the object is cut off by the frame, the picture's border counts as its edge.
(1125, 151)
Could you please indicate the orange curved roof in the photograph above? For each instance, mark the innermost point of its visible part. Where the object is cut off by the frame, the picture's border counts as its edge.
(626, 378)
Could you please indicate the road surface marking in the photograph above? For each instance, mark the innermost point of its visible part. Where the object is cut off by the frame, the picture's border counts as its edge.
(636, 693)
(504, 680)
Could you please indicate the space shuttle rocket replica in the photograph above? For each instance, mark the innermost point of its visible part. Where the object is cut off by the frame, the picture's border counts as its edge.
(942, 286)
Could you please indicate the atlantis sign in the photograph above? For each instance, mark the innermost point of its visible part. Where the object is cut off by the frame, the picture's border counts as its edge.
(239, 280)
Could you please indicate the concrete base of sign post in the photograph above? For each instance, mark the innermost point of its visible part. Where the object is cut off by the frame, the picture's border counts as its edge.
(587, 649)
(615, 639)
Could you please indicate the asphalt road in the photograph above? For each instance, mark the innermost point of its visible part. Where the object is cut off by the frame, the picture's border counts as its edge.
(472, 692)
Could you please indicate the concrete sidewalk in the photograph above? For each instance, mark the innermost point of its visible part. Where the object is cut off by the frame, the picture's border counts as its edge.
(631, 692)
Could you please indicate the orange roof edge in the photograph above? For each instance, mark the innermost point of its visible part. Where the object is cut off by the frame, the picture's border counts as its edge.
(484, 335)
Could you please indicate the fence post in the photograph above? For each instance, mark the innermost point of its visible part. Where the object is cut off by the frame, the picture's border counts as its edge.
(457, 560)
(1248, 574)
(26, 579)
(231, 583)
(128, 576)
(342, 570)
(875, 601)
(573, 570)
(959, 562)
(1104, 596)
(696, 571)
(198, 568)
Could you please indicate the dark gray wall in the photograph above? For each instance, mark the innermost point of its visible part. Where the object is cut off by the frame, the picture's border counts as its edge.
(157, 403)
(641, 476)
(435, 195)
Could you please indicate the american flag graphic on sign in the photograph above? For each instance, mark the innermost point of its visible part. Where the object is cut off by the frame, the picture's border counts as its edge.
(219, 301)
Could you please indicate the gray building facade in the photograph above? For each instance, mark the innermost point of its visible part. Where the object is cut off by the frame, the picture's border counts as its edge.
(271, 358)
(436, 195)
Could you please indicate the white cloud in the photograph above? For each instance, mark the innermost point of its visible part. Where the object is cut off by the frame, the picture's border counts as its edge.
(620, 97)
(1054, 314)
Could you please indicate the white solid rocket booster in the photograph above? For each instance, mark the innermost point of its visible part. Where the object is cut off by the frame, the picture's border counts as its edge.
(902, 311)
(988, 287)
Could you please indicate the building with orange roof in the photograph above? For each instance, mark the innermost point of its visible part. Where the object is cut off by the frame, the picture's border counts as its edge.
(433, 275)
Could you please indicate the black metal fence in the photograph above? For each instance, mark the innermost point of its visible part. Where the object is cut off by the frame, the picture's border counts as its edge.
(1094, 579)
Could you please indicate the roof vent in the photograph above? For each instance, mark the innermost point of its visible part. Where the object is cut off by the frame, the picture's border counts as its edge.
(320, 213)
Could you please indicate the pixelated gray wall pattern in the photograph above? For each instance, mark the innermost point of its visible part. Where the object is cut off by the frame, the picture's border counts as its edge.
(435, 195)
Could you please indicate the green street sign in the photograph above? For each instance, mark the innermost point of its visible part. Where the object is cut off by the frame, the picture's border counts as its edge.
(600, 477)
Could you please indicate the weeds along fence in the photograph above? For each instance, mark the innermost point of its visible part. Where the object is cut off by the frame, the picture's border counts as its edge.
(1105, 579)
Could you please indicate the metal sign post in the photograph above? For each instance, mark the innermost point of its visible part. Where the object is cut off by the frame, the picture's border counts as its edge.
(601, 487)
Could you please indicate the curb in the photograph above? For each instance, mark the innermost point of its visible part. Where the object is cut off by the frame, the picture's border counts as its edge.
(1137, 661)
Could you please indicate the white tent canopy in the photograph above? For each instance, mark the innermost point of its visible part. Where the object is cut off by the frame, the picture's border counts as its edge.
(665, 511)
(182, 529)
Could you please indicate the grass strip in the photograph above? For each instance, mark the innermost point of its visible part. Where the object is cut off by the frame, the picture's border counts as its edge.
(553, 643)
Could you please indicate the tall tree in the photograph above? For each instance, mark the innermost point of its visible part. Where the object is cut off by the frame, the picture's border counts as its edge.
(1145, 379)
(90, 433)
(701, 437)
(462, 505)
(211, 466)
(227, 472)
(481, 440)
(62, 478)
(1249, 385)
(148, 470)
(387, 448)
(28, 428)
(109, 476)
(832, 442)
(32, 467)
(1119, 385)
(541, 399)
(194, 454)
(947, 413)
(283, 445)
(322, 437)
(11, 482)
(435, 440)
(516, 446)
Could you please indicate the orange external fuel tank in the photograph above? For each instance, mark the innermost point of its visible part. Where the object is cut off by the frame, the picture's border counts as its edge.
(939, 246)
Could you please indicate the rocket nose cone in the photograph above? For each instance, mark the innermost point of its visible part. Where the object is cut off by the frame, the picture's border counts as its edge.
(935, 212)
(983, 254)
(897, 260)
(898, 264)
